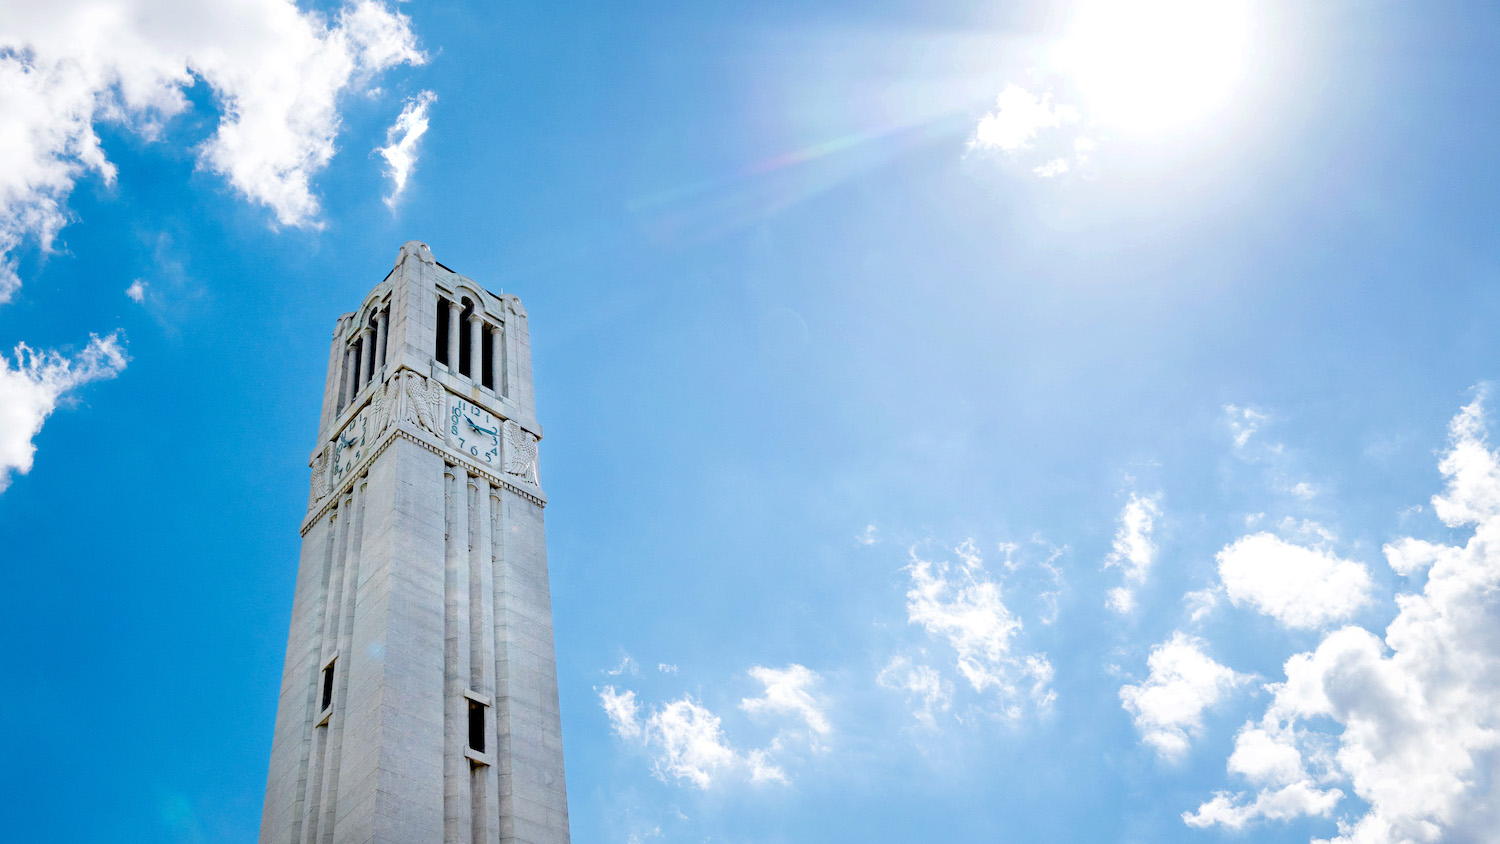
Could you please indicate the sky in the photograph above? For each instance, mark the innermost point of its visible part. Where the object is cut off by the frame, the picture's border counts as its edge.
(965, 421)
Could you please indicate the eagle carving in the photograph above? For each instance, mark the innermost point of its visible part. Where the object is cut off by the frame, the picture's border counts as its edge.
(319, 477)
(520, 456)
(424, 402)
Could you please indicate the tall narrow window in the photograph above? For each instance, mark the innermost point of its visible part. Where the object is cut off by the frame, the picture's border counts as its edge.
(465, 366)
(327, 687)
(476, 726)
(487, 352)
(359, 360)
(442, 332)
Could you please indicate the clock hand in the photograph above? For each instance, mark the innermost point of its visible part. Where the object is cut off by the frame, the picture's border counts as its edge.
(479, 429)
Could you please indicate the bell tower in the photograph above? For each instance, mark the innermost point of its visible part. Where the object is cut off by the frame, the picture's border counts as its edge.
(419, 699)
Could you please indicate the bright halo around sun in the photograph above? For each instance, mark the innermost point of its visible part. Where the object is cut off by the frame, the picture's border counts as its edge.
(1155, 66)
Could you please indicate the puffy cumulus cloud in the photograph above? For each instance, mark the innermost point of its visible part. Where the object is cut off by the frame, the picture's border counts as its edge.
(1168, 707)
(962, 607)
(400, 151)
(277, 72)
(1133, 549)
(789, 693)
(32, 387)
(1018, 116)
(1304, 588)
(1472, 470)
(1409, 723)
(921, 682)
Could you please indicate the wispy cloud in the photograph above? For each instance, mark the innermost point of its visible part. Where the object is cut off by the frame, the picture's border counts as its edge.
(1243, 422)
(400, 151)
(789, 692)
(961, 607)
(1134, 549)
(686, 739)
(922, 683)
(136, 291)
(32, 387)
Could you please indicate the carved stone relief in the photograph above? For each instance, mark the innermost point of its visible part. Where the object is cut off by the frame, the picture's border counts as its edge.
(319, 478)
(520, 453)
(422, 401)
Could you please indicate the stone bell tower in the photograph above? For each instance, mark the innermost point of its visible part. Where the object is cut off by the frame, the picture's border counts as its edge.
(419, 699)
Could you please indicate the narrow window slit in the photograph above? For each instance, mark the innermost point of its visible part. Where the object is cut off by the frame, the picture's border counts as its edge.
(476, 726)
(327, 687)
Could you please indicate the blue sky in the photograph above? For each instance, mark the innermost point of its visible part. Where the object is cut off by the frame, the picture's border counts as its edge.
(966, 421)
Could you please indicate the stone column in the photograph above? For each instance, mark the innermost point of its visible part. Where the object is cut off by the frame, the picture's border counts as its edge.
(381, 332)
(476, 347)
(367, 361)
(457, 800)
(497, 360)
(350, 375)
(455, 327)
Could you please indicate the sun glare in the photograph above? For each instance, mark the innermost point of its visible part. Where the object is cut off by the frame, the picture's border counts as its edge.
(1156, 65)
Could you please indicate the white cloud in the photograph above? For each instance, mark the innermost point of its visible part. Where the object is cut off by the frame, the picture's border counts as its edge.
(1055, 167)
(763, 769)
(1408, 556)
(788, 693)
(623, 712)
(400, 151)
(868, 537)
(277, 72)
(31, 389)
(963, 608)
(1018, 116)
(685, 737)
(666, 668)
(136, 291)
(686, 740)
(627, 664)
(1201, 603)
(1133, 549)
(1167, 708)
(1410, 722)
(920, 681)
(1121, 599)
(1303, 588)
(1472, 470)
(1243, 423)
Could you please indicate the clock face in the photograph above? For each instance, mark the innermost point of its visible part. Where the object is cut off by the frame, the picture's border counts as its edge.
(349, 446)
(474, 431)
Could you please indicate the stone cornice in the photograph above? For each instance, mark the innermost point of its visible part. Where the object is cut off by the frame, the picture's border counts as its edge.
(497, 479)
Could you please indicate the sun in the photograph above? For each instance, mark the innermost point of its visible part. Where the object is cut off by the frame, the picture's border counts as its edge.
(1153, 66)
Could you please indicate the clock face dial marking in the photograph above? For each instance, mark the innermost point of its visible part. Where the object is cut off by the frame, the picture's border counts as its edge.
(474, 431)
(349, 445)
